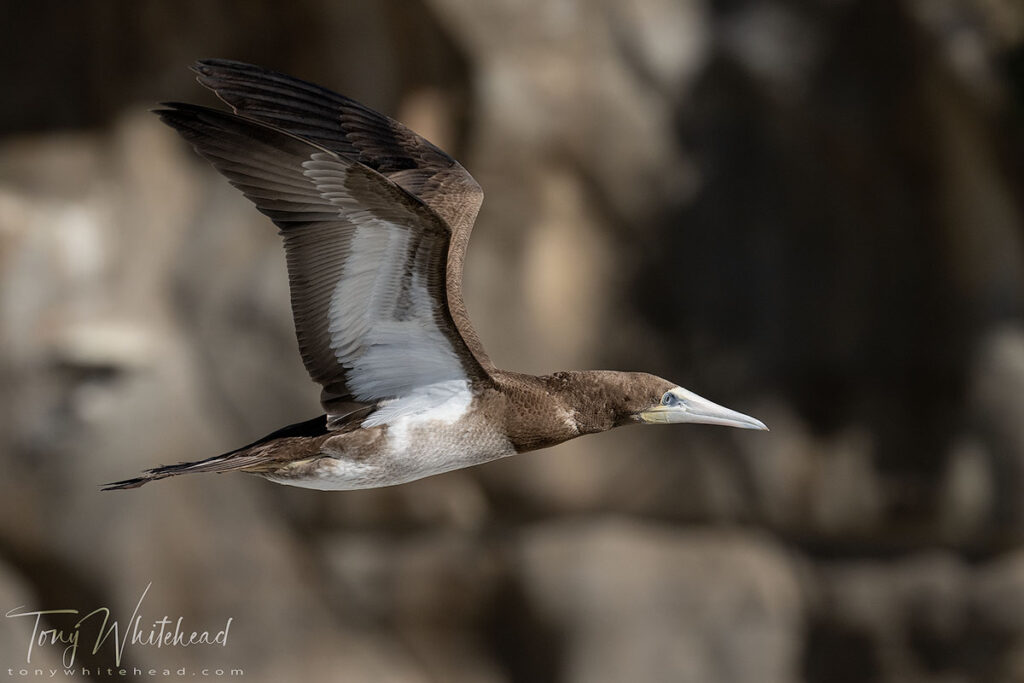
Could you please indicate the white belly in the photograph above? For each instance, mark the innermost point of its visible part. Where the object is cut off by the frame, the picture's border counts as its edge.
(432, 431)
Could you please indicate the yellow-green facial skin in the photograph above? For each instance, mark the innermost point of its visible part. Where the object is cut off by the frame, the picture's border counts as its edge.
(679, 405)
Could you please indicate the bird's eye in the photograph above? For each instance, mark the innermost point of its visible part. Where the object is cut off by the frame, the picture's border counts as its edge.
(669, 399)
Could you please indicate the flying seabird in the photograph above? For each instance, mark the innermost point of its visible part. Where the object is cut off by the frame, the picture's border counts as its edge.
(375, 222)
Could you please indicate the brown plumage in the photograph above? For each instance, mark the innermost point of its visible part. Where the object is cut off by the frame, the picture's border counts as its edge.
(375, 222)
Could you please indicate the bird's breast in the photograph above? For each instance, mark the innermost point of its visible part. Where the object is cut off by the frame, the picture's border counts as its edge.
(419, 446)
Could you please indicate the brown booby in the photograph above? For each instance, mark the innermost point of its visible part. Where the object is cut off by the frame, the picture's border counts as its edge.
(375, 222)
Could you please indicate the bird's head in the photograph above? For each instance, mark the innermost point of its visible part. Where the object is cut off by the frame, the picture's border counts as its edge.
(636, 397)
(671, 404)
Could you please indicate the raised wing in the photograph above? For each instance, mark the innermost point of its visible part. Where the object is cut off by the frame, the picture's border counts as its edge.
(353, 130)
(366, 260)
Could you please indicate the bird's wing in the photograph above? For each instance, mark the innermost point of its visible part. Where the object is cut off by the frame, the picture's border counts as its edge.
(353, 130)
(366, 260)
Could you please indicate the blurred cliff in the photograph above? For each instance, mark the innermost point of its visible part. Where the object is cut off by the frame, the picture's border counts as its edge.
(811, 212)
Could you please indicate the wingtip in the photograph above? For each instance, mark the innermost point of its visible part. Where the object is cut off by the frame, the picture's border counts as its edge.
(209, 66)
(210, 62)
(171, 113)
(180, 112)
(165, 108)
(201, 66)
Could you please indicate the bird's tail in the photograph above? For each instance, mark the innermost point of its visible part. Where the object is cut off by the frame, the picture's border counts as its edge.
(250, 458)
(218, 464)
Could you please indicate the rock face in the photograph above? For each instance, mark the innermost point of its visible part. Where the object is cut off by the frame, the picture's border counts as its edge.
(634, 601)
(814, 214)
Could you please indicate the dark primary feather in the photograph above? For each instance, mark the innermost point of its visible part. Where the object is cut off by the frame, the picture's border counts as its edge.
(319, 200)
(349, 128)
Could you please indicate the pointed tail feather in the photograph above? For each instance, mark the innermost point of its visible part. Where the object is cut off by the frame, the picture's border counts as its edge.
(218, 464)
(249, 458)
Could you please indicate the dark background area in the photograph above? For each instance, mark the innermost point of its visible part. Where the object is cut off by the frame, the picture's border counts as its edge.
(812, 212)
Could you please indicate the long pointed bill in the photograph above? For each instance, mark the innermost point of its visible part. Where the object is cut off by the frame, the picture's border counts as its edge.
(689, 407)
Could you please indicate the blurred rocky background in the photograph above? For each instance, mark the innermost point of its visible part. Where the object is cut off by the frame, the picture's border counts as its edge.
(812, 212)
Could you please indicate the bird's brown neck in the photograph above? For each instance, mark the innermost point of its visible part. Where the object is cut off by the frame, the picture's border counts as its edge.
(542, 411)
